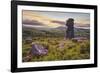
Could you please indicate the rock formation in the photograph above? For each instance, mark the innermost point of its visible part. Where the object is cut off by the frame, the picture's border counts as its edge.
(38, 49)
(70, 28)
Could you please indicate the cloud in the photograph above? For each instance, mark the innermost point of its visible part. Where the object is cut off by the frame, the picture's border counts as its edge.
(59, 22)
(33, 18)
(31, 22)
(37, 19)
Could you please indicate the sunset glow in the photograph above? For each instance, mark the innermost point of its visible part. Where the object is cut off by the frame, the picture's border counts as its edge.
(54, 19)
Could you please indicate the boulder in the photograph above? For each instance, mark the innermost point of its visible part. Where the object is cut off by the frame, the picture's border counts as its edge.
(28, 40)
(38, 49)
(70, 28)
(79, 39)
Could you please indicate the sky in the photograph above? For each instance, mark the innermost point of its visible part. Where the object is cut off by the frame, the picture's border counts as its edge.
(54, 19)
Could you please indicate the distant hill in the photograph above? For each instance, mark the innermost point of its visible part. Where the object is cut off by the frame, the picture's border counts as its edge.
(53, 32)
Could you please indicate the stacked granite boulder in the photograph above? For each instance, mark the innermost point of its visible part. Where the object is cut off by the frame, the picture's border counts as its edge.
(70, 28)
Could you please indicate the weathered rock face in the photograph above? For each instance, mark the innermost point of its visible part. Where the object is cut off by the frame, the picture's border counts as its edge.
(70, 28)
(38, 49)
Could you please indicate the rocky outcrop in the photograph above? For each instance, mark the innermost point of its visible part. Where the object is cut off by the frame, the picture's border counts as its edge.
(70, 28)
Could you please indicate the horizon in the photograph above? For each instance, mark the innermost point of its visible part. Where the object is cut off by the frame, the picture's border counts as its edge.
(33, 26)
